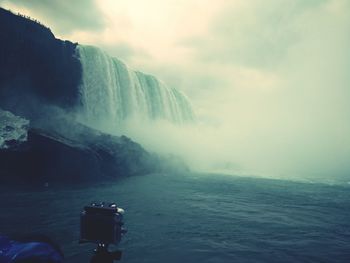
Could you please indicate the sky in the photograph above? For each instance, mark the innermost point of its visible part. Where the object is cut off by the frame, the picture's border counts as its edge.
(268, 79)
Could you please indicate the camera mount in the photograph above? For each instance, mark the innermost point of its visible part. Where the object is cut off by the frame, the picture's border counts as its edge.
(102, 255)
(102, 224)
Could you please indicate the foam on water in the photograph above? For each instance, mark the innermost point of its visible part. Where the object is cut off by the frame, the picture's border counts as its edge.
(13, 129)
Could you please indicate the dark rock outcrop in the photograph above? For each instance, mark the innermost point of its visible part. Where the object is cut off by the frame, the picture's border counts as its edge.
(65, 151)
(88, 155)
(35, 67)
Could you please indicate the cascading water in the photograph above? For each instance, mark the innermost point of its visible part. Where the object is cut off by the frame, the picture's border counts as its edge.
(112, 92)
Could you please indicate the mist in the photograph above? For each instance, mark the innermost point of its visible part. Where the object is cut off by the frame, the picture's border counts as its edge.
(273, 105)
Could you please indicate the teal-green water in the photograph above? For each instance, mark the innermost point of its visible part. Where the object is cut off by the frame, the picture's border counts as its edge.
(195, 218)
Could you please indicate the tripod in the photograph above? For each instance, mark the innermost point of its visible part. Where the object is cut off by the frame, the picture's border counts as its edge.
(102, 255)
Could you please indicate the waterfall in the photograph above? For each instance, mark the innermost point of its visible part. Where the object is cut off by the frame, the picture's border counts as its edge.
(110, 91)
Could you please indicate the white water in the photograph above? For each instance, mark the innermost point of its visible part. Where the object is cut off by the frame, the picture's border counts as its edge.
(13, 129)
(112, 93)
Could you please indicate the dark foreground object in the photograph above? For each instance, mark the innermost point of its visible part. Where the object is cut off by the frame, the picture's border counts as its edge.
(102, 224)
(36, 249)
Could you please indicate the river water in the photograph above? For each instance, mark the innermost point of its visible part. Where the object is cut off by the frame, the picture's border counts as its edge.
(203, 218)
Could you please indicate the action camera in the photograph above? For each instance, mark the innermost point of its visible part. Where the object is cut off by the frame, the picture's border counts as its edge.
(101, 224)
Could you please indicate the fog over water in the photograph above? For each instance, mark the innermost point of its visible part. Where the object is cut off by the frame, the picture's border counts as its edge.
(278, 104)
(268, 80)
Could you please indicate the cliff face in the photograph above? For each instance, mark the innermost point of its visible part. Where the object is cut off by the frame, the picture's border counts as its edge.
(39, 83)
(64, 151)
(39, 80)
(50, 157)
(35, 67)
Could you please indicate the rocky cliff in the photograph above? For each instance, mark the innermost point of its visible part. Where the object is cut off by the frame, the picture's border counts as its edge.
(40, 139)
(75, 154)
(35, 67)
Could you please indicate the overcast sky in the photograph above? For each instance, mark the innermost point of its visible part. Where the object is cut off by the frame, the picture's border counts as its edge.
(272, 76)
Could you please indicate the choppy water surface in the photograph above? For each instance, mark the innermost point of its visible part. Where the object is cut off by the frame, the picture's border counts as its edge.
(196, 218)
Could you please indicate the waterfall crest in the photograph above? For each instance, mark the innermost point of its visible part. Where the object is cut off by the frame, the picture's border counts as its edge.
(113, 92)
